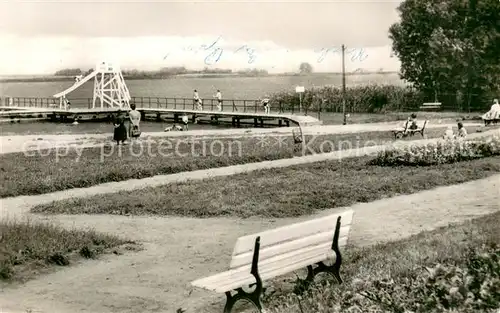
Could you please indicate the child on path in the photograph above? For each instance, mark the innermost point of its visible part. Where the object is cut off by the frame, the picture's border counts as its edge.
(462, 132)
(413, 121)
(185, 121)
(448, 134)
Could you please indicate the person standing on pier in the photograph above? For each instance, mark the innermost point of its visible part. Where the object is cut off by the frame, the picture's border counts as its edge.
(67, 104)
(135, 119)
(218, 95)
(197, 100)
(265, 104)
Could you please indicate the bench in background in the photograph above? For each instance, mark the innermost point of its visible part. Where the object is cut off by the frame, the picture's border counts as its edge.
(280, 251)
(406, 131)
(430, 106)
(491, 118)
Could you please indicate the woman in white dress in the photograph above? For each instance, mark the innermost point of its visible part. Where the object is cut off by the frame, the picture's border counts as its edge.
(494, 112)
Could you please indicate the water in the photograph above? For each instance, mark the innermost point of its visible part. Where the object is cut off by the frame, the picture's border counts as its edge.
(241, 88)
(45, 127)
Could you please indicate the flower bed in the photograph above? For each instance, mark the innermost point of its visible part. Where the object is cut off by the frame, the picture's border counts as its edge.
(441, 152)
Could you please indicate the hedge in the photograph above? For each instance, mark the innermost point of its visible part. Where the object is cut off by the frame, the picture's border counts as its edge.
(359, 99)
(441, 152)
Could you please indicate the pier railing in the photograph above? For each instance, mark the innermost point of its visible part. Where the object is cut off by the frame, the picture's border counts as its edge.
(228, 105)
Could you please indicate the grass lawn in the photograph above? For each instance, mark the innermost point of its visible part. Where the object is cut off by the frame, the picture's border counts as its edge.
(27, 248)
(288, 192)
(38, 172)
(395, 272)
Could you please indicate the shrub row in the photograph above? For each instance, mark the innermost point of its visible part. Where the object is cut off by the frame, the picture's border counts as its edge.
(470, 287)
(359, 99)
(441, 152)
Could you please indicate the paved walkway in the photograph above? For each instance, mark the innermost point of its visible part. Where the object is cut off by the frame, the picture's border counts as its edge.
(134, 184)
(19, 143)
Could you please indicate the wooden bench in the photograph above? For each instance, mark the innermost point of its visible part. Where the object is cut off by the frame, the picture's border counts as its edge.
(406, 131)
(430, 106)
(280, 251)
(491, 119)
(298, 138)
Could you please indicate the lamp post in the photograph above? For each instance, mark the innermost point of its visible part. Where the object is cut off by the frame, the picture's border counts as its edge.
(343, 84)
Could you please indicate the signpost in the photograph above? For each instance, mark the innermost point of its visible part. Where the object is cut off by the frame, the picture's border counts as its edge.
(343, 84)
(300, 90)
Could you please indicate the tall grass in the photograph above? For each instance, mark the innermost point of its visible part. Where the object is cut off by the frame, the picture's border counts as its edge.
(359, 99)
(28, 246)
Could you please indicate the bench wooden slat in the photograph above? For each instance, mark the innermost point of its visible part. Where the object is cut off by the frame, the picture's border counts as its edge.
(270, 268)
(288, 246)
(406, 129)
(431, 105)
(284, 266)
(291, 232)
(214, 280)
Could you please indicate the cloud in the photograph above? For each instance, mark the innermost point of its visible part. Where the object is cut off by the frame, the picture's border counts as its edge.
(45, 55)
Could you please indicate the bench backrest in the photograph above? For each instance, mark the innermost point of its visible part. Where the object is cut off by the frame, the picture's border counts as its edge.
(433, 104)
(425, 123)
(292, 238)
(407, 125)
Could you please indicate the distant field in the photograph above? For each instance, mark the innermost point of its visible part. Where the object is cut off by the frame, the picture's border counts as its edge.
(182, 87)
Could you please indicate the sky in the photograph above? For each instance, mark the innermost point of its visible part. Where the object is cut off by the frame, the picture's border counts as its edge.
(40, 37)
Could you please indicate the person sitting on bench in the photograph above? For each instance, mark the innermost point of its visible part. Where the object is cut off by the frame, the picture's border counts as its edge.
(413, 121)
(494, 111)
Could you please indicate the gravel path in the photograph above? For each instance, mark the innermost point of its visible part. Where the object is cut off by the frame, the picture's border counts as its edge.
(20, 143)
(158, 180)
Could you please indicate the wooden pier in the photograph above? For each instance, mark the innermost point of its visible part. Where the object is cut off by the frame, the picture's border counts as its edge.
(157, 111)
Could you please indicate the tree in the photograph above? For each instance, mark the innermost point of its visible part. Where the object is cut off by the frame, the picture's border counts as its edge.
(449, 47)
(68, 72)
(305, 68)
(176, 70)
(90, 70)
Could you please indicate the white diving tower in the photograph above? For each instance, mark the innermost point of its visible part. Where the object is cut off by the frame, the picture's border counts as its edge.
(110, 90)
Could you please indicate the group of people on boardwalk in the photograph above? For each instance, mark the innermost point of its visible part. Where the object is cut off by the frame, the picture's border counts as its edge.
(218, 96)
(121, 131)
(199, 102)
